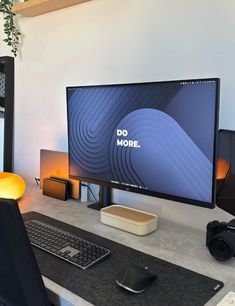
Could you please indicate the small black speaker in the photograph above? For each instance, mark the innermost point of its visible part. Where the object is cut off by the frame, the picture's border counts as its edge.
(56, 188)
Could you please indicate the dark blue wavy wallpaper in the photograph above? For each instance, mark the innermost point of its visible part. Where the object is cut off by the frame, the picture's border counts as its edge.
(153, 136)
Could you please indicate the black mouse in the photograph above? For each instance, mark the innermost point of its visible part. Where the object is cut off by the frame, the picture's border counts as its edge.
(135, 278)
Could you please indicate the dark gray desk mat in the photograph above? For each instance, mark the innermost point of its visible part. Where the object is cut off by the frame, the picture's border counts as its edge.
(174, 286)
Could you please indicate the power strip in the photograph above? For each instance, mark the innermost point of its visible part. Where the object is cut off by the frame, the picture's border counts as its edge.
(228, 300)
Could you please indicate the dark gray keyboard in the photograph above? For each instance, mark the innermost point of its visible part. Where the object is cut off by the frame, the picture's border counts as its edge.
(77, 251)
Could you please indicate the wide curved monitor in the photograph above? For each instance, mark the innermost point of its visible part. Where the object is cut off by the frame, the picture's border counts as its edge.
(155, 138)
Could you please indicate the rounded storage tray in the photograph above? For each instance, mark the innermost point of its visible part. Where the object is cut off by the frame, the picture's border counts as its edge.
(129, 219)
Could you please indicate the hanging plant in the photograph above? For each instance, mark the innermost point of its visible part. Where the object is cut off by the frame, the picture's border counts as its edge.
(12, 34)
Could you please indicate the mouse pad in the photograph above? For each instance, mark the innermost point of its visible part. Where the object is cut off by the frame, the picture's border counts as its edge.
(174, 285)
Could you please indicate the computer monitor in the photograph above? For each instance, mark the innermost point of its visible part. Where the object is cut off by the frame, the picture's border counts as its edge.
(20, 279)
(226, 171)
(156, 138)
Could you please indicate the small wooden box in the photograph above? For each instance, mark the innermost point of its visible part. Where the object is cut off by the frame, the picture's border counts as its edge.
(129, 219)
(57, 189)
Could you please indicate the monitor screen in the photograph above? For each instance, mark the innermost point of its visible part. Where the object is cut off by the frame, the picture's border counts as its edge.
(154, 138)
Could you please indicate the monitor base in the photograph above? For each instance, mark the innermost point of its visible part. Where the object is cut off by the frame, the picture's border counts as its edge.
(95, 206)
(104, 200)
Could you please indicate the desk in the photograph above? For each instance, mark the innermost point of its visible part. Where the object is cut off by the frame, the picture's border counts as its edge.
(172, 242)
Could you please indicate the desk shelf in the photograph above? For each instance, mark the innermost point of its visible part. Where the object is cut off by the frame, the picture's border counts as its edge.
(32, 8)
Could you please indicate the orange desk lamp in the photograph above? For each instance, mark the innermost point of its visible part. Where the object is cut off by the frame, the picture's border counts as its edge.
(12, 186)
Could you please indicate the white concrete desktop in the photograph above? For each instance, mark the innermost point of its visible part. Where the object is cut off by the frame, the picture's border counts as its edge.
(172, 242)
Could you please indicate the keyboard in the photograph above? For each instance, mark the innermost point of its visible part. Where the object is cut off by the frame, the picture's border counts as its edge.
(67, 246)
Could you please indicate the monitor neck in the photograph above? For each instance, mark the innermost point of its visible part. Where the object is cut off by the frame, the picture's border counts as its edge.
(104, 198)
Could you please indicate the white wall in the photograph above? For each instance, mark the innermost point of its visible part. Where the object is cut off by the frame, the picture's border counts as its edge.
(110, 41)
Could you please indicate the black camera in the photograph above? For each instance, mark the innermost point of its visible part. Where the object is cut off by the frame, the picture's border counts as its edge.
(220, 239)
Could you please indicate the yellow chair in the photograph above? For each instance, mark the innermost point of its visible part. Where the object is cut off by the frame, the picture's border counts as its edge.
(12, 186)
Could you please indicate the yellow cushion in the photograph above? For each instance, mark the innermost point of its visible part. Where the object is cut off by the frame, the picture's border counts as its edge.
(12, 186)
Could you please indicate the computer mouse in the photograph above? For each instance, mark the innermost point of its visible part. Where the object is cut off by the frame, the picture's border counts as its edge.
(135, 278)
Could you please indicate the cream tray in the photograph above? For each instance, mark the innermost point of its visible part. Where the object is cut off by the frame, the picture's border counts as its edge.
(129, 219)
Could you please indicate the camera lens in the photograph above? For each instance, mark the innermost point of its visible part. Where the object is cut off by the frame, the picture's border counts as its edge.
(220, 249)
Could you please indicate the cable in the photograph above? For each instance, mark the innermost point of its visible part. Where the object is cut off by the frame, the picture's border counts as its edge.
(87, 186)
(37, 180)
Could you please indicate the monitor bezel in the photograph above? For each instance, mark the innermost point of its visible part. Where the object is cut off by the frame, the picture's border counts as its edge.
(204, 204)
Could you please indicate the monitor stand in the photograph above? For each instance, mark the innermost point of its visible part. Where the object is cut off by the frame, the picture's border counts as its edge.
(104, 198)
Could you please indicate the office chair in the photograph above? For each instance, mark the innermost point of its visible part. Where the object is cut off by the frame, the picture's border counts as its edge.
(21, 283)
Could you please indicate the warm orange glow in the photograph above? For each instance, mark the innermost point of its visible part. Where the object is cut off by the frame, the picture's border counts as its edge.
(12, 186)
(222, 169)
